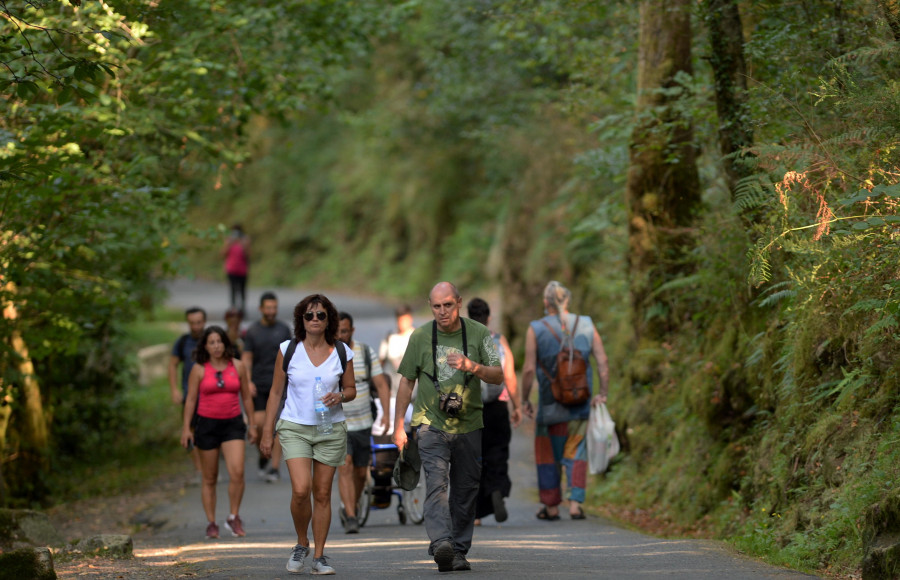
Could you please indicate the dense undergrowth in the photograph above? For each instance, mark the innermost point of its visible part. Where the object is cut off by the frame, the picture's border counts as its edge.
(769, 414)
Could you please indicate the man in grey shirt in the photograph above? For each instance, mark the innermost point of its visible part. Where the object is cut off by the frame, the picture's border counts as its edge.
(260, 350)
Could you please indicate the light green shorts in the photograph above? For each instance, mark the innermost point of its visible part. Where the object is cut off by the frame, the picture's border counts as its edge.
(305, 441)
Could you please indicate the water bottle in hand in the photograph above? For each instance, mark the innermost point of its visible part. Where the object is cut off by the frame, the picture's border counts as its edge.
(323, 413)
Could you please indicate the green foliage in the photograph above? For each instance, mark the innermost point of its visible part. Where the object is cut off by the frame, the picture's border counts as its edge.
(113, 114)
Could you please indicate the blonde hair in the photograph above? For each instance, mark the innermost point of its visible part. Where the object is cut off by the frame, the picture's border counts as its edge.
(557, 296)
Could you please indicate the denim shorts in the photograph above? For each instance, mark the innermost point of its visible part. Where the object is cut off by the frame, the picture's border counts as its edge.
(305, 441)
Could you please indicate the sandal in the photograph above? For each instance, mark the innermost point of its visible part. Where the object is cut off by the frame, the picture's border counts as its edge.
(580, 515)
(545, 515)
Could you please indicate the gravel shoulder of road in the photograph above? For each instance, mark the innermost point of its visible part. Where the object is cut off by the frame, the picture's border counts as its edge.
(127, 513)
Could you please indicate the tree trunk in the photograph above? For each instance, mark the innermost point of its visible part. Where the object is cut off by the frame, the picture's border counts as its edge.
(30, 408)
(891, 10)
(726, 39)
(663, 186)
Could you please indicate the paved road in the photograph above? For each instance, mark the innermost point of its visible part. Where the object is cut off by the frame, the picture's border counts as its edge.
(523, 545)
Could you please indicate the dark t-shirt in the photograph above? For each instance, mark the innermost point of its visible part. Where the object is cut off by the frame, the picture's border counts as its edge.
(263, 342)
(184, 350)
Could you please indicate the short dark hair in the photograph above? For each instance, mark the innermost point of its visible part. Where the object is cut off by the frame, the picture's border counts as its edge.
(345, 316)
(269, 295)
(402, 310)
(201, 355)
(234, 313)
(195, 310)
(479, 311)
(301, 308)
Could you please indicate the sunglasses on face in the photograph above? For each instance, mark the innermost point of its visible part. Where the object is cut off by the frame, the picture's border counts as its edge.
(320, 315)
(220, 380)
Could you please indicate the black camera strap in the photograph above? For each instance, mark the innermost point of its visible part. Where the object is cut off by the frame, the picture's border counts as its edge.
(434, 379)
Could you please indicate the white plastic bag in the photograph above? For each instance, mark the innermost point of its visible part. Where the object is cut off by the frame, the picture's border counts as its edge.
(602, 443)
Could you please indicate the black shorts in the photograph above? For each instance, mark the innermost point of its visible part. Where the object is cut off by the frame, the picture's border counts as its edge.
(359, 447)
(261, 400)
(211, 433)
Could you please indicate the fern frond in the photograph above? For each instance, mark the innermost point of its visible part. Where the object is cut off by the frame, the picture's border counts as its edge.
(777, 297)
(758, 258)
(682, 282)
(859, 136)
(867, 54)
(887, 322)
(867, 305)
(752, 192)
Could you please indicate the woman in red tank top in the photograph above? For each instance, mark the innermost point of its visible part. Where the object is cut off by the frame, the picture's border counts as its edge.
(215, 386)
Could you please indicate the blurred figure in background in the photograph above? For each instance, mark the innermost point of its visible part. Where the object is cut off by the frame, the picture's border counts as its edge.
(370, 382)
(495, 482)
(233, 319)
(261, 343)
(183, 354)
(236, 253)
(390, 353)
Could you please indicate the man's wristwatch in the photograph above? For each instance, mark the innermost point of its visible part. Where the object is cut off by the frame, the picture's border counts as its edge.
(342, 397)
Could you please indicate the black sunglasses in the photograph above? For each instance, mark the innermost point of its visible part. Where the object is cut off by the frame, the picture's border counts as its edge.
(320, 315)
(220, 380)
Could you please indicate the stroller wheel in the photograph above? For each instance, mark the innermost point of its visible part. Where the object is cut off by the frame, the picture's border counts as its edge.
(401, 513)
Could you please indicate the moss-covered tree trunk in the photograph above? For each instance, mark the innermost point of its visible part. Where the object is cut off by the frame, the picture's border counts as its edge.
(891, 10)
(663, 188)
(726, 40)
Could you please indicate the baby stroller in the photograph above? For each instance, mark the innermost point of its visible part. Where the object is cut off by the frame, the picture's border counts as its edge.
(380, 489)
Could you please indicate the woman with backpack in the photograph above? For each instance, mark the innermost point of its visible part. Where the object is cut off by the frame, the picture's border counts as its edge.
(216, 384)
(312, 455)
(558, 348)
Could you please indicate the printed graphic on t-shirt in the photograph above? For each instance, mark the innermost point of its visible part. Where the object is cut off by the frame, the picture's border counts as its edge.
(445, 371)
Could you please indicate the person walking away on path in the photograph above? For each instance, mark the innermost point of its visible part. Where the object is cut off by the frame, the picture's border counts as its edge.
(215, 387)
(448, 357)
(236, 253)
(183, 353)
(390, 353)
(495, 482)
(353, 473)
(311, 457)
(261, 343)
(560, 431)
(233, 318)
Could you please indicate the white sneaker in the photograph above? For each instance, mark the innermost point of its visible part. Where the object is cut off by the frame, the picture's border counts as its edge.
(320, 566)
(295, 563)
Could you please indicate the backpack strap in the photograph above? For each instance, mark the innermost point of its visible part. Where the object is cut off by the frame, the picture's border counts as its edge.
(289, 354)
(368, 360)
(555, 335)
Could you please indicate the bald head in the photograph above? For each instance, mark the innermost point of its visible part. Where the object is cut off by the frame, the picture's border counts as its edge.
(443, 288)
(445, 303)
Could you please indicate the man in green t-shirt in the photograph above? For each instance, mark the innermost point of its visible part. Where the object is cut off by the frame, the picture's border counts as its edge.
(449, 357)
